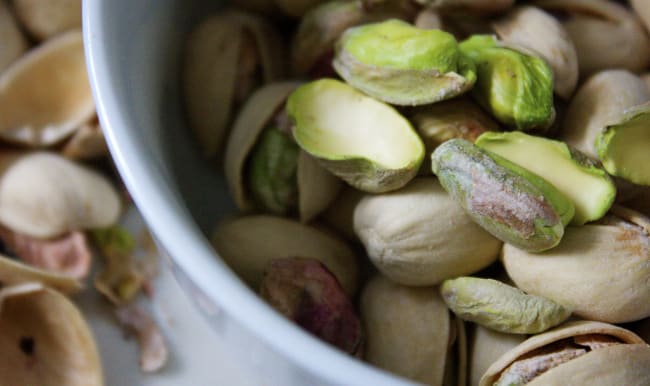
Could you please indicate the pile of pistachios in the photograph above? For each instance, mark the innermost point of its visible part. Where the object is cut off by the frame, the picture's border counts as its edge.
(455, 191)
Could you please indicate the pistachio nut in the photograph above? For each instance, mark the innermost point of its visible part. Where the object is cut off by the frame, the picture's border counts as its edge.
(515, 86)
(536, 30)
(378, 59)
(420, 236)
(606, 34)
(599, 270)
(46, 19)
(44, 195)
(512, 203)
(13, 43)
(485, 347)
(588, 186)
(296, 8)
(363, 141)
(307, 293)
(13, 272)
(227, 57)
(576, 353)
(87, 142)
(481, 6)
(496, 305)
(248, 243)
(38, 106)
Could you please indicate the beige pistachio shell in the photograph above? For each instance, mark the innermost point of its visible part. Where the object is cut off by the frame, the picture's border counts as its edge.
(408, 330)
(44, 19)
(317, 187)
(45, 95)
(485, 347)
(44, 195)
(13, 272)
(530, 27)
(642, 9)
(248, 243)
(605, 34)
(44, 340)
(420, 236)
(13, 43)
(87, 142)
(601, 101)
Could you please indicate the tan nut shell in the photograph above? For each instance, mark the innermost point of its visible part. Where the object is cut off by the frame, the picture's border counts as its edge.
(13, 43)
(44, 19)
(13, 272)
(420, 236)
(64, 350)
(485, 347)
(44, 195)
(536, 30)
(642, 9)
(248, 243)
(87, 142)
(624, 364)
(45, 95)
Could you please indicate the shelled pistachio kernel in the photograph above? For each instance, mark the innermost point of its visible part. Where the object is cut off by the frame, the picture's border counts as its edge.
(501, 307)
(401, 64)
(364, 141)
(507, 200)
(516, 87)
(571, 172)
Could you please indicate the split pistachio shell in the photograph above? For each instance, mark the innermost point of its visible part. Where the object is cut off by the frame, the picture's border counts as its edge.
(408, 330)
(363, 141)
(13, 42)
(44, 19)
(247, 244)
(45, 95)
(576, 353)
(45, 340)
(378, 59)
(485, 347)
(501, 307)
(605, 34)
(420, 236)
(13, 272)
(44, 195)
(487, 6)
(540, 32)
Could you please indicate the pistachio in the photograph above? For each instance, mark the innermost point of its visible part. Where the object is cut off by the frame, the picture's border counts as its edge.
(306, 292)
(420, 236)
(363, 141)
(46, 19)
(483, 6)
(501, 307)
(429, 18)
(642, 10)
(340, 214)
(571, 172)
(38, 115)
(505, 199)
(536, 30)
(248, 243)
(87, 142)
(515, 86)
(378, 59)
(485, 347)
(13, 42)
(13, 272)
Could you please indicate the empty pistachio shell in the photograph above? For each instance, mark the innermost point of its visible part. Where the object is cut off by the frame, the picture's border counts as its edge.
(45, 95)
(365, 142)
(420, 236)
(44, 19)
(508, 201)
(605, 34)
(540, 32)
(247, 244)
(378, 60)
(516, 87)
(13, 272)
(45, 195)
(45, 340)
(469, 5)
(485, 347)
(501, 307)
(13, 42)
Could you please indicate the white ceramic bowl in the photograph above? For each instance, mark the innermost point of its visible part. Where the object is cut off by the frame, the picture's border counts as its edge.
(133, 51)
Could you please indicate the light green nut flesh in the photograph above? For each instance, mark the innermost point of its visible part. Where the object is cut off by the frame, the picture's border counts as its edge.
(501, 307)
(401, 64)
(589, 187)
(508, 201)
(272, 169)
(624, 148)
(516, 88)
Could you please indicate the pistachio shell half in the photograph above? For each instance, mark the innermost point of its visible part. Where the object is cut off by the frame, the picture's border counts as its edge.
(44, 19)
(13, 42)
(485, 347)
(13, 272)
(45, 95)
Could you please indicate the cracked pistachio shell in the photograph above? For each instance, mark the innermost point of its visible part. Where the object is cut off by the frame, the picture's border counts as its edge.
(501, 307)
(485, 347)
(378, 59)
(480, 6)
(44, 195)
(44, 339)
(514, 204)
(226, 58)
(606, 34)
(365, 142)
(576, 353)
(45, 95)
(408, 330)
(599, 270)
(13, 43)
(515, 86)
(420, 236)
(13, 272)
(531, 27)
(248, 243)
(45, 19)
